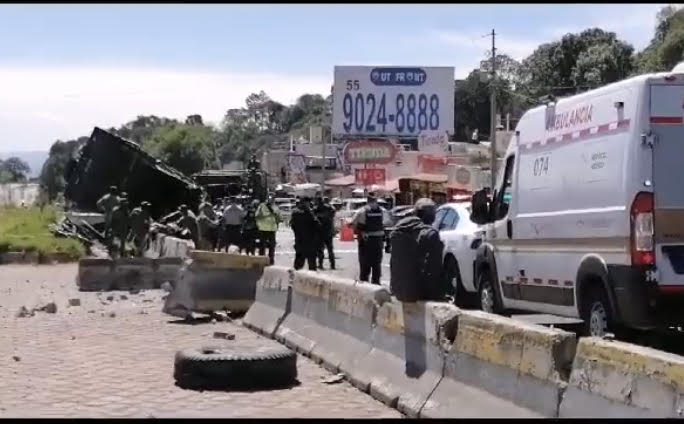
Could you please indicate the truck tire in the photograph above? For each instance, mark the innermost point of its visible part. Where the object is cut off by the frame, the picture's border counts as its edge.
(596, 312)
(211, 368)
(488, 298)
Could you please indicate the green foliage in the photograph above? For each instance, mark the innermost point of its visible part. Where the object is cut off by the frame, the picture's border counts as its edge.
(27, 229)
(577, 62)
(13, 170)
(667, 46)
(188, 148)
(52, 174)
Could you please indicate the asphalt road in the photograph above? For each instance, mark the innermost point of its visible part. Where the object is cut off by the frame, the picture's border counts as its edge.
(346, 256)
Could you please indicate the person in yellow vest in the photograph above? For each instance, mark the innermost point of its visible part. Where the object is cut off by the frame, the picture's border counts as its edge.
(267, 220)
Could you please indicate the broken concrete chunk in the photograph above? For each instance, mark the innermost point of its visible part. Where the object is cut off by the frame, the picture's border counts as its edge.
(226, 336)
(24, 312)
(74, 302)
(50, 308)
(124, 297)
(112, 315)
(110, 298)
(16, 358)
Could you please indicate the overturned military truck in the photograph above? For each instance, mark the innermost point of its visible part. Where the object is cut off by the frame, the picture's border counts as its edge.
(107, 160)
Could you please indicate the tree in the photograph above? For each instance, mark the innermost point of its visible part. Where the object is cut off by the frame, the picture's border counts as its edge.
(13, 170)
(52, 176)
(187, 148)
(666, 48)
(577, 62)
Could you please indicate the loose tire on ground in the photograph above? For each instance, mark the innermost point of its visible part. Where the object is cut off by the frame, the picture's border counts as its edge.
(223, 368)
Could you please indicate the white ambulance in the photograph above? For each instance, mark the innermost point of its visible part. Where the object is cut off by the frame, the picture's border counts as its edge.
(587, 217)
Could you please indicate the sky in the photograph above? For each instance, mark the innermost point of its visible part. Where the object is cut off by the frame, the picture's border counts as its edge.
(67, 68)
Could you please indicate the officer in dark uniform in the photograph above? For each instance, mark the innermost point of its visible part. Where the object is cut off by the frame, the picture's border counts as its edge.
(326, 215)
(368, 224)
(305, 226)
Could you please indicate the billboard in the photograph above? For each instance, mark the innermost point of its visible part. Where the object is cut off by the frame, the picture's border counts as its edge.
(392, 101)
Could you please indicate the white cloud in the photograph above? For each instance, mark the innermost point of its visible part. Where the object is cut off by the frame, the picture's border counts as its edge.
(40, 105)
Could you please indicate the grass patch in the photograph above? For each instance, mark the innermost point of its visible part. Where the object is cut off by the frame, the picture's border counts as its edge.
(27, 230)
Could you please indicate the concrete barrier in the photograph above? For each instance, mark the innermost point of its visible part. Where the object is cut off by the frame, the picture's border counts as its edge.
(612, 379)
(524, 364)
(330, 319)
(167, 269)
(214, 281)
(271, 301)
(95, 274)
(406, 361)
(133, 273)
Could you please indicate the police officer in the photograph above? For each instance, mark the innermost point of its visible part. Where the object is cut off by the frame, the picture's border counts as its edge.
(140, 226)
(326, 215)
(106, 204)
(120, 227)
(305, 225)
(249, 228)
(368, 223)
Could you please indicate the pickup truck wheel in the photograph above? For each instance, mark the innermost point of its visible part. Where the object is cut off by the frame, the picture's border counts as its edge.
(463, 298)
(488, 299)
(596, 313)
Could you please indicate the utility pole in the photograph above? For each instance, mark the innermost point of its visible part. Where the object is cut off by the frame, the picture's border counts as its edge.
(324, 162)
(492, 113)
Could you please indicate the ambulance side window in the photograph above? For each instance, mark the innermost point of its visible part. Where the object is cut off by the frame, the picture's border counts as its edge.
(505, 193)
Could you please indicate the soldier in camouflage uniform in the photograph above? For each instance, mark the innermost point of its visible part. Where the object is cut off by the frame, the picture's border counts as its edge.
(188, 221)
(106, 204)
(140, 227)
(207, 227)
(120, 227)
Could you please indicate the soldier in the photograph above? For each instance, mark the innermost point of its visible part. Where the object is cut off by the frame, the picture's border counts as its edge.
(188, 222)
(207, 227)
(305, 226)
(106, 204)
(120, 227)
(326, 215)
(268, 218)
(368, 223)
(140, 227)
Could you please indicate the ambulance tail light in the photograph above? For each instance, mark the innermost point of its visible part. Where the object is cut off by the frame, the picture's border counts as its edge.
(641, 220)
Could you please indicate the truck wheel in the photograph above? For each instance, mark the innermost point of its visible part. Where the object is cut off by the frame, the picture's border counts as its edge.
(596, 313)
(489, 301)
(214, 368)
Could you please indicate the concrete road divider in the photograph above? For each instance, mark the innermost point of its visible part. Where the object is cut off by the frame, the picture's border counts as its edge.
(612, 379)
(406, 361)
(133, 273)
(214, 281)
(331, 319)
(271, 301)
(166, 269)
(517, 362)
(95, 274)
